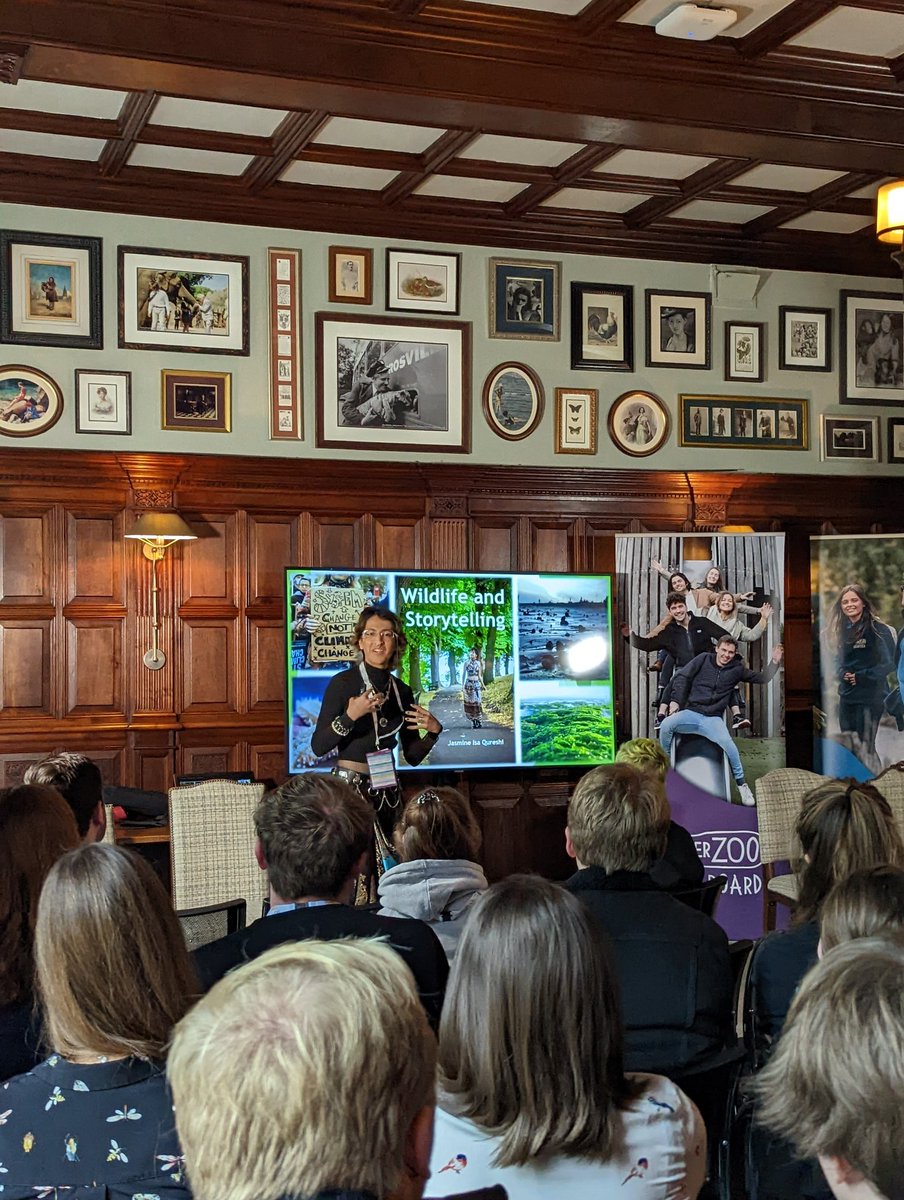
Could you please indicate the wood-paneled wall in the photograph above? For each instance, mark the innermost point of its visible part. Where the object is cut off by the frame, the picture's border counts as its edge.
(75, 615)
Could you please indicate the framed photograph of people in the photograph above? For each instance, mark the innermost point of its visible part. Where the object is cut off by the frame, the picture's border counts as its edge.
(51, 289)
(745, 351)
(351, 275)
(805, 339)
(524, 299)
(743, 423)
(679, 329)
(895, 440)
(513, 400)
(422, 281)
(180, 301)
(872, 335)
(197, 401)
(30, 402)
(850, 437)
(576, 420)
(638, 424)
(103, 402)
(391, 383)
(602, 327)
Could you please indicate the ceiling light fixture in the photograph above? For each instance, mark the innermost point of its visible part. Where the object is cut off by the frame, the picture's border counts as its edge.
(890, 218)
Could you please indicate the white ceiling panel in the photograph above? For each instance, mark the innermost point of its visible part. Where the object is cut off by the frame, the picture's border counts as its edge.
(785, 179)
(715, 210)
(377, 135)
(531, 152)
(497, 191)
(652, 164)
(182, 158)
(48, 145)
(829, 222)
(751, 14)
(36, 96)
(594, 201)
(337, 175)
(222, 118)
(869, 192)
(855, 31)
(566, 8)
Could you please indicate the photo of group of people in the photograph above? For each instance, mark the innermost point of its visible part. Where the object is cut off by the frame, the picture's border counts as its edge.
(183, 301)
(402, 385)
(742, 423)
(879, 336)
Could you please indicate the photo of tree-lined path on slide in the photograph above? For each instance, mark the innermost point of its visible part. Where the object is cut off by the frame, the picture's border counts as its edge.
(444, 618)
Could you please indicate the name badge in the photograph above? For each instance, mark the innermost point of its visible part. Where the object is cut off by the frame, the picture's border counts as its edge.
(382, 770)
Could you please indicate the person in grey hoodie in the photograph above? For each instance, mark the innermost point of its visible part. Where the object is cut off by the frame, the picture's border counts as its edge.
(437, 878)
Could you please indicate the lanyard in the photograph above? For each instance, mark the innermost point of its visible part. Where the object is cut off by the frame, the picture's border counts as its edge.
(368, 686)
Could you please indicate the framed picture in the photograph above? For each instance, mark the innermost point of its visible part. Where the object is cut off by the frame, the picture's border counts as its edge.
(638, 424)
(351, 275)
(30, 401)
(576, 420)
(513, 400)
(197, 400)
(745, 351)
(872, 336)
(176, 300)
(850, 437)
(524, 299)
(895, 440)
(103, 402)
(602, 327)
(51, 287)
(805, 339)
(751, 423)
(422, 281)
(678, 329)
(390, 383)
(284, 283)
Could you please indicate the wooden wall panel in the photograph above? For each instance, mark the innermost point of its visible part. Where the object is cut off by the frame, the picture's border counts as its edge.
(398, 544)
(267, 665)
(495, 545)
(206, 760)
(272, 546)
(208, 681)
(94, 567)
(94, 662)
(337, 542)
(26, 557)
(25, 668)
(209, 563)
(551, 547)
(268, 761)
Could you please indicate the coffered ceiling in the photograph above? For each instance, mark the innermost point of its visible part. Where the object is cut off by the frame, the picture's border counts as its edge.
(550, 125)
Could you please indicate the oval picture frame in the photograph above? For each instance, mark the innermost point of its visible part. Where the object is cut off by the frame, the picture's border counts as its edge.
(30, 401)
(513, 400)
(638, 423)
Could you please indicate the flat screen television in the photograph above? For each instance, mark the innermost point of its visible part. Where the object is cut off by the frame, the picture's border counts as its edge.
(545, 641)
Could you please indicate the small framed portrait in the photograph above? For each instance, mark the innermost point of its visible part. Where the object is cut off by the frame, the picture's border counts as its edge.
(30, 402)
(197, 400)
(850, 437)
(103, 402)
(422, 281)
(51, 287)
(679, 329)
(351, 275)
(745, 351)
(895, 440)
(602, 327)
(524, 299)
(513, 400)
(576, 420)
(805, 339)
(872, 338)
(638, 424)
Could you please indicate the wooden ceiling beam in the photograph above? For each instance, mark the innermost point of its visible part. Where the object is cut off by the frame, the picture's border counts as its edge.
(787, 22)
(600, 15)
(433, 159)
(292, 134)
(133, 116)
(564, 175)
(694, 186)
(823, 199)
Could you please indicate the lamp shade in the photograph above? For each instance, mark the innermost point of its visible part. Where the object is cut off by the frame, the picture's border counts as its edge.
(890, 212)
(161, 528)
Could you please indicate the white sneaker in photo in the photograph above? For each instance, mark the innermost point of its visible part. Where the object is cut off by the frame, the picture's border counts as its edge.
(747, 796)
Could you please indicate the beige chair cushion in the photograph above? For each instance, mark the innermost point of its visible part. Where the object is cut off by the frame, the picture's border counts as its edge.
(779, 795)
(891, 785)
(786, 886)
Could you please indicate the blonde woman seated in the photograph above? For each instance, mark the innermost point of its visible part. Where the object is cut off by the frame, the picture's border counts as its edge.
(437, 878)
(533, 1094)
(114, 977)
(868, 903)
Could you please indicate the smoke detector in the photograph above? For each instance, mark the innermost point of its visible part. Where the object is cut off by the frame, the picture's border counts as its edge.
(695, 22)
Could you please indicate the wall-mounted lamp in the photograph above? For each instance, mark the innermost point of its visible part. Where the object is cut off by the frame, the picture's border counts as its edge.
(890, 218)
(157, 531)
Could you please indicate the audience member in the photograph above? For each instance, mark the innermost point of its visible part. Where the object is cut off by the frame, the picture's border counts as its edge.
(78, 780)
(437, 878)
(114, 977)
(842, 827)
(314, 835)
(308, 1072)
(36, 827)
(671, 961)
(533, 1093)
(866, 904)
(834, 1084)
(680, 866)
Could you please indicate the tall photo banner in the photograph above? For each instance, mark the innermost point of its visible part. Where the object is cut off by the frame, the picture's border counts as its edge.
(857, 587)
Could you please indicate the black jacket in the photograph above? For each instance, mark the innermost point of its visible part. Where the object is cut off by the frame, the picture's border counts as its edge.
(704, 687)
(683, 644)
(673, 970)
(414, 940)
(680, 867)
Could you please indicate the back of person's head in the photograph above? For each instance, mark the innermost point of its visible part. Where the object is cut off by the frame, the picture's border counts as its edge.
(866, 904)
(36, 827)
(437, 823)
(618, 819)
(304, 1070)
(79, 782)
(312, 831)
(113, 972)
(645, 754)
(842, 827)
(531, 1040)
(834, 1084)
